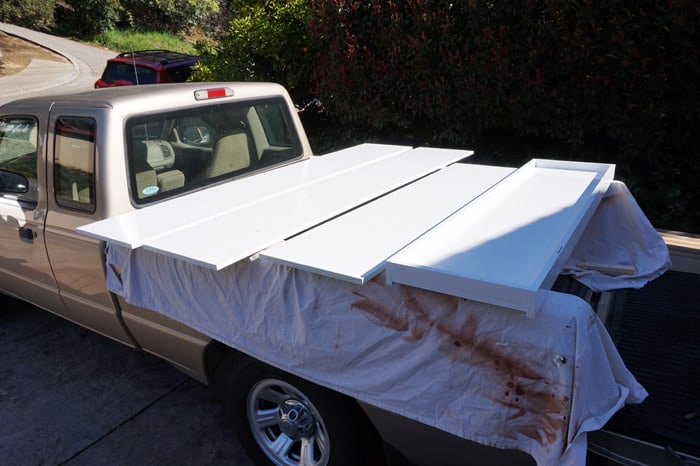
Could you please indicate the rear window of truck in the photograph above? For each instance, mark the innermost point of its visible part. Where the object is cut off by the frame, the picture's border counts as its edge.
(128, 72)
(174, 152)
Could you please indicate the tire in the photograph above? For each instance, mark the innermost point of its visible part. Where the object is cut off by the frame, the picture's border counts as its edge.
(283, 420)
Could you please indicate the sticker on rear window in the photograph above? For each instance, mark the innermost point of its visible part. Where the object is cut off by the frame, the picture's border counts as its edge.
(150, 190)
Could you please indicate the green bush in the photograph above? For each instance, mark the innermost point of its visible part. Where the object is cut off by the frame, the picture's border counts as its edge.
(265, 41)
(87, 18)
(33, 14)
(619, 75)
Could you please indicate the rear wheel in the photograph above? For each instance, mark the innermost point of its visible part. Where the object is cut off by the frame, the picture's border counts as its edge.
(283, 420)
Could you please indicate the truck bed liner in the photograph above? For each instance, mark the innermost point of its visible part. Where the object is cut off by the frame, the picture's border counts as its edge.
(656, 331)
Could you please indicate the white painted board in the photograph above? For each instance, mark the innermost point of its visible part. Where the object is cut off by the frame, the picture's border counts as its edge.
(237, 224)
(509, 243)
(135, 228)
(355, 246)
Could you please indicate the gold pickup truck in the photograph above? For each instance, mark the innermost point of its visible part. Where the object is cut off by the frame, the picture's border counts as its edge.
(170, 218)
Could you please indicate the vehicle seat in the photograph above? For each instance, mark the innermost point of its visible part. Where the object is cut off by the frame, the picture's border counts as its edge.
(80, 195)
(144, 174)
(159, 154)
(231, 153)
(171, 179)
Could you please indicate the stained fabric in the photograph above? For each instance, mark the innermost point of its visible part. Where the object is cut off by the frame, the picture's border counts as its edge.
(482, 372)
(478, 371)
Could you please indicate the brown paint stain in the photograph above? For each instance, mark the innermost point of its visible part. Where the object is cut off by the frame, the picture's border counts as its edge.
(380, 315)
(537, 408)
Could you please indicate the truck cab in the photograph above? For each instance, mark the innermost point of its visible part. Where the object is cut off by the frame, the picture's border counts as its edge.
(70, 161)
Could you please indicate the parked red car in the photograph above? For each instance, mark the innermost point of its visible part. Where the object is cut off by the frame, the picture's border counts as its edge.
(147, 67)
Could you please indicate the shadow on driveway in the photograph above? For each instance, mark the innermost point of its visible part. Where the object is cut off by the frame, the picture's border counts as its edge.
(69, 396)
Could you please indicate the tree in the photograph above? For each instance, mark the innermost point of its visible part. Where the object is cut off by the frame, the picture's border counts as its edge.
(34, 14)
(103, 14)
(177, 16)
(265, 41)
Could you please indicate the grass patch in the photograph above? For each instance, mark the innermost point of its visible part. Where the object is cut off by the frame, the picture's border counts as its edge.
(126, 40)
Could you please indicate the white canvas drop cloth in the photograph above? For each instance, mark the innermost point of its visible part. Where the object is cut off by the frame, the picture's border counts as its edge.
(619, 234)
(480, 372)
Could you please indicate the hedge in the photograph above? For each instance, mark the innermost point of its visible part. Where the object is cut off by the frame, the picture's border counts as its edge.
(620, 77)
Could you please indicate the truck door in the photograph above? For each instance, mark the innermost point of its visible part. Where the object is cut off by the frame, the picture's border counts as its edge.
(24, 265)
(77, 262)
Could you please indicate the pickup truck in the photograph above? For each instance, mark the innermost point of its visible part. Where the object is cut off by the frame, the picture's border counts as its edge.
(193, 222)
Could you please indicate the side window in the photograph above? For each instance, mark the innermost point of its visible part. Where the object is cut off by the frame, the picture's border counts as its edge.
(275, 124)
(18, 147)
(74, 163)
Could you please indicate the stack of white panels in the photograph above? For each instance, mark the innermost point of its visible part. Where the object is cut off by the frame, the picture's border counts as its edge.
(490, 234)
(355, 247)
(224, 224)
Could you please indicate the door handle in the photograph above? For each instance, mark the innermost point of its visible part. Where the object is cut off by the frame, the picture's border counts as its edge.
(27, 234)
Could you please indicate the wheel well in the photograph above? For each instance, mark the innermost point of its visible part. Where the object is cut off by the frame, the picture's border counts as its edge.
(224, 361)
(218, 357)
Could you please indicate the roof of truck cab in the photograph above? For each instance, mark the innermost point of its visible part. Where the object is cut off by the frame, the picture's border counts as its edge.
(151, 97)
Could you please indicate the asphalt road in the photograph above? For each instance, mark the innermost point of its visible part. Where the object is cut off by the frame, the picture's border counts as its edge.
(69, 396)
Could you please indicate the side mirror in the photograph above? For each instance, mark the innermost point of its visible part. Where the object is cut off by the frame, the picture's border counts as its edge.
(13, 183)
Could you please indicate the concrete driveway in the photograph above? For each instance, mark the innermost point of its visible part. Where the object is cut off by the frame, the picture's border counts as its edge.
(84, 64)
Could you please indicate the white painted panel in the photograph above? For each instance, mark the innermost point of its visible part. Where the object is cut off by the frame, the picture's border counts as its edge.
(132, 230)
(503, 247)
(356, 245)
(219, 242)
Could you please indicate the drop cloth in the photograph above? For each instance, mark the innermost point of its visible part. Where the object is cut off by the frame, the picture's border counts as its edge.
(480, 372)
